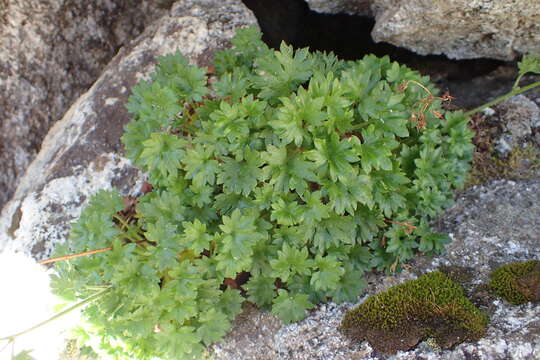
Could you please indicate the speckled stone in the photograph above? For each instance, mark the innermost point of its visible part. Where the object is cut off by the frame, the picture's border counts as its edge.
(518, 116)
(460, 29)
(352, 7)
(82, 152)
(50, 53)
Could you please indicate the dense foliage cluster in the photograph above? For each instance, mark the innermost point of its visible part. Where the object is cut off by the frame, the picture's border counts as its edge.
(278, 176)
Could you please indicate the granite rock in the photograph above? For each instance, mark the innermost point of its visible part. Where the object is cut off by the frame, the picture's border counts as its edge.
(351, 7)
(518, 117)
(460, 29)
(50, 53)
(82, 152)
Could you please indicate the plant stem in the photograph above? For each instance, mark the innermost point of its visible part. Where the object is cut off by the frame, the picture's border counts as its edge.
(514, 92)
(360, 126)
(129, 229)
(11, 338)
(7, 344)
(516, 83)
(67, 257)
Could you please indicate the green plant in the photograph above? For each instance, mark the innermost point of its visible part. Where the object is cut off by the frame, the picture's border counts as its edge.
(431, 306)
(281, 179)
(517, 282)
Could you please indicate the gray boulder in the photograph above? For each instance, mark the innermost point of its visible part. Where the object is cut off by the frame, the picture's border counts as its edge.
(459, 29)
(518, 117)
(50, 53)
(82, 153)
(352, 7)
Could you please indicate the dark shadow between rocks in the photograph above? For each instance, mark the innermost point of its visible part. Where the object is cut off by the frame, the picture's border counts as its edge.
(348, 36)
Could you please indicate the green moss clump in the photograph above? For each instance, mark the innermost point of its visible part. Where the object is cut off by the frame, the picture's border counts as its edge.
(430, 306)
(518, 282)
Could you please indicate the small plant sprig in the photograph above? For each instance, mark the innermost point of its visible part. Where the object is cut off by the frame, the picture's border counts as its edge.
(424, 104)
(528, 64)
(10, 340)
(279, 182)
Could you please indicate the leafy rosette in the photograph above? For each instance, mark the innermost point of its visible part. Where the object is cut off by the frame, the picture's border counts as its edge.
(279, 177)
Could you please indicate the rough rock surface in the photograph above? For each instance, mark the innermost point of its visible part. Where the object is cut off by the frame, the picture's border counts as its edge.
(352, 7)
(518, 116)
(460, 29)
(82, 153)
(50, 53)
(490, 225)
